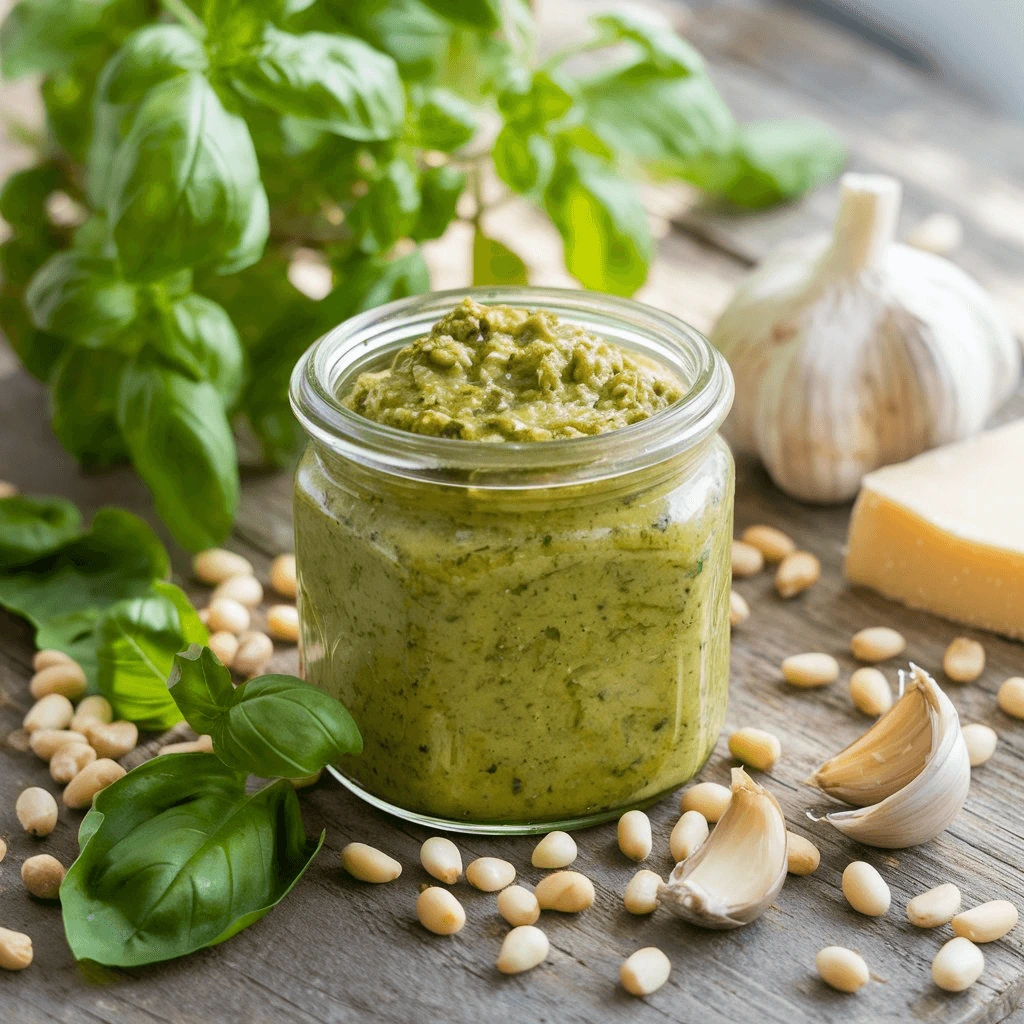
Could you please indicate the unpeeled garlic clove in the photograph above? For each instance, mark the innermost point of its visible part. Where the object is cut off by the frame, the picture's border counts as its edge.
(908, 775)
(732, 879)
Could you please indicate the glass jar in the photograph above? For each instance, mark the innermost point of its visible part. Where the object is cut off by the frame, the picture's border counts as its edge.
(529, 635)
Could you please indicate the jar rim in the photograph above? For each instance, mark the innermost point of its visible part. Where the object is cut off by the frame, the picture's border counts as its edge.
(353, 346)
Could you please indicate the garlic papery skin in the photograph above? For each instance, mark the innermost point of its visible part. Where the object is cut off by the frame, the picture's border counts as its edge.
(908, 775)
(855, 352)
(733, 878)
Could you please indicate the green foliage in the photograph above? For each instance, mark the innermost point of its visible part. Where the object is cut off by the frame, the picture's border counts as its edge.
(209, 141)
(32, 528)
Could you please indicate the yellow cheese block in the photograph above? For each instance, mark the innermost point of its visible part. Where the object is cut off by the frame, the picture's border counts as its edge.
(945, 531)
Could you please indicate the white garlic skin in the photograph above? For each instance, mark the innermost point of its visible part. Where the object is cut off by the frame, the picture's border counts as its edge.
(855, 352)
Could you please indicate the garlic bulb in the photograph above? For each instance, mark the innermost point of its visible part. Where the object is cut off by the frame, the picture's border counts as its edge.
(734, 876)
(855, 352)
(908, 775)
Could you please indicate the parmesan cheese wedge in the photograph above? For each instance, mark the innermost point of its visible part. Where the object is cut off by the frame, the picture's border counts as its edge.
(945, 531)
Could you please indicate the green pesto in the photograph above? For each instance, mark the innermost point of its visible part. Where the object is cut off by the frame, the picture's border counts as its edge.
(495, 373)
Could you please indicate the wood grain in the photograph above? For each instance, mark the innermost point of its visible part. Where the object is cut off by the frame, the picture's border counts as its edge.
(340, 951)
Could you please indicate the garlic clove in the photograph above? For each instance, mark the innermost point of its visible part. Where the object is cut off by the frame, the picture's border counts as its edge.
(736, 874)
(908, 775)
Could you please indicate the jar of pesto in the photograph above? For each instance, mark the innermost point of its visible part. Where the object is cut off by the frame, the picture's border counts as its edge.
(512, 527)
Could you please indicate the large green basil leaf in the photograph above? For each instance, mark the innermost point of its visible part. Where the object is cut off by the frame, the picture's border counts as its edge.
(524, 160)
(407, 30)
(440, 188)
(80, 297)
(340, 82)
(388, 210)
(199, 338)
(83, 405)
(481, 14)
(495, 263)
(180, 441)
(184, 185)
(274, 726)
(137, 642)
(148, 57)
(175, 857)
(647, 116)
(602, 222)
(31, 528)
(654, 35)
(119, 557)
(444, 121)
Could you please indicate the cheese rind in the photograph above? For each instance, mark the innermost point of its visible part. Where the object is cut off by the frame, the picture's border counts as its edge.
(945, 531)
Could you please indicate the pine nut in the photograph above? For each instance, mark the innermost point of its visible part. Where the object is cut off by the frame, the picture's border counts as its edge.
(518, 905)
(15, 950)
(224, 645)
(42, 876)
(92, 709)
(746, 559)
(490, 874)
(439, 911)
(202, 745)
(440, 858)
(3, 849)
(688, 835)
(1011, 697)
(756, 748)
(709, 798)
(958, 965)
(810, 670)
(935, 907)
(772, 543)
(940, 233)
(739, 610)
(215, 565)
(69, 760)
(981, 743)
(369, 864)
(964, 660)
(566, 891)
(254, 651)
(522, 949)
(869, 691)
(54, 711)
(986, 922)
(555, 850)
(246, 590)
(282, 576)
(865, 889)
(112, 739)
(877, 643)
(802, 856)
(283, 622)
(634, 834)
(645, 971)
(7, 489)
(46, 742)
(204, 616)
(641, 896)
(67, 679)
(796, 573)
(37, 811)
(92, 779)
(50, 657)
(228, 616)
(842, 969)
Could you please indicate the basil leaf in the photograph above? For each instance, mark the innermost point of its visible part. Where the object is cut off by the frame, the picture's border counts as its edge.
(186, 174)
(369, 282)
(407, 30)
(646, 116)
(481, 14)
(180, 441)
(524, 161)
(440, 188)
(274, 726)
(31, 528)
(80, 298)
(148, 57)
(536, 101)
(118, 557)
(176, 857)
(388, 210)
(83, 405)
(495, 263)
(340, 82)
(199, 339)
(602, 222)
(75, 635)
(137, 640)
(444, 121)
(234, 27)
(23, 195)
(654, 35)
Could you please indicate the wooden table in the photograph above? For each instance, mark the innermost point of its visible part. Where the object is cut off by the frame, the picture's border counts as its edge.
(340, 951)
